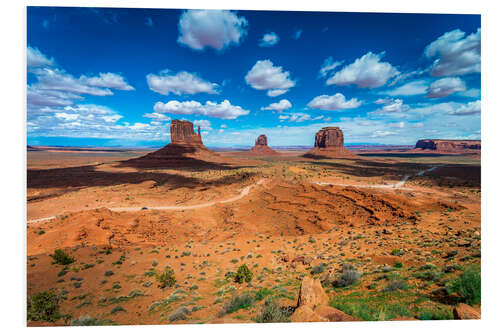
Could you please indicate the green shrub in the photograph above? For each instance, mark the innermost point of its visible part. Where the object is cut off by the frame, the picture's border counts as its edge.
(61, 258)
(398, 264)
(90, 321)
(179, 314)
(116, 309)
(166, 278)
(349, 275)
(44, 306)
(262, 293)
(272, 312)
(468, 285)
(243, 274)
(243, 301)
(318, 269)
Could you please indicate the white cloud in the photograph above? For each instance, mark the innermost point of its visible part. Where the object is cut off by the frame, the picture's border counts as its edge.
(297, 117)
(265, 76)
(335, 102)
(391, 106)
(269, 39)
(328, 66)
(471, 93)
(445, 87)
(223, 126)
(224, 110)
(470, 108)
(284, 104)
(107, 80)
(66, 116)
(205, 125)
(217, 29)
(455, 53)
(157, 116)
(365, 72)
(35, 58)
(417, 87)
(180, 83)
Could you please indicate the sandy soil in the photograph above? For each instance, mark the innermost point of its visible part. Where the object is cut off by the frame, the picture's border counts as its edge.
(258, 214)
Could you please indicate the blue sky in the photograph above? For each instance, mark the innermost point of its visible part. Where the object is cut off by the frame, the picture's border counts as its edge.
(116, 77)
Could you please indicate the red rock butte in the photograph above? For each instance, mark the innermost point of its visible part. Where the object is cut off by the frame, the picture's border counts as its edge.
(185, 148)
(329, 142)
(441, 145)
(261, 148)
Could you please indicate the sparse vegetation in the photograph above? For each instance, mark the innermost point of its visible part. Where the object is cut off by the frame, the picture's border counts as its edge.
(61, 258)
(243, 274)
(44, 306)
(166, 278)
(468, 285)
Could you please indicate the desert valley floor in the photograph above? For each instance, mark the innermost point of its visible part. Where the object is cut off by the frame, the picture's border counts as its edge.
(408, 223)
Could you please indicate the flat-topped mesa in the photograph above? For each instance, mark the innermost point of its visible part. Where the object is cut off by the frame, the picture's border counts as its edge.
(449, 145)
(329, 142)
(261, 148)
(182, 133)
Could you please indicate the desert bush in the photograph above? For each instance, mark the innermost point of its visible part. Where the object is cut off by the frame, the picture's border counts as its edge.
(166, 278)
(116, 309)
(243, 274)
(318, 269)
(43, 306)
(262, 293)
(243, 301)
(468, 285)
(61, 258)
(272, 312)
(348, 276)
(180, 313)
(397, 284)
(90, 321)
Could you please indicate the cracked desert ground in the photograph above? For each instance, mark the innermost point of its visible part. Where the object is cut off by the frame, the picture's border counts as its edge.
(280, 216)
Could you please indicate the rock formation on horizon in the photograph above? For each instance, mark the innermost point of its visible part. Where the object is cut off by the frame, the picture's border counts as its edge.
(442, 145)
(329, 142)
(261, 148)
(185, 148)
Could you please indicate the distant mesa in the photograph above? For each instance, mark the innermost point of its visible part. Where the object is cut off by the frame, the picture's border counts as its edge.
(329, 142)
(261, 148)
(452, 146)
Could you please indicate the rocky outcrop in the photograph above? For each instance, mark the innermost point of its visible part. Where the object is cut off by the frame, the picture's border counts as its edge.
(261, 148)
(440, 145)
(182, 133)
(329, 142)
(185, 149)
(312, 304)
(464, 311)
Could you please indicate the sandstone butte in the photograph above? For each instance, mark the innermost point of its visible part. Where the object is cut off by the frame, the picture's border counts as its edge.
(441, 145)
(261, 148)
(185, 148)
(329, 142)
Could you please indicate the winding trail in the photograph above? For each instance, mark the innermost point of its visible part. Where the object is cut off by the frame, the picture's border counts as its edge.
(397, 185)
(244, 192)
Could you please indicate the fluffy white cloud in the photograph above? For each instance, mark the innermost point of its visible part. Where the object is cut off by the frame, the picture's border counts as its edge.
(265, 76)
(224, 110)
(180, 83)
(391, 106)
(56, 79)
(204, 124)
(211, 28)
(66, 116)
(455, 53)
(328, 66)
(417, 87)
(35, 58)
(157, 116)
(470, 108)
(282, 105)
(335, 102)
(365, 72)
(269, 39)
(445, 87)
(107, 80)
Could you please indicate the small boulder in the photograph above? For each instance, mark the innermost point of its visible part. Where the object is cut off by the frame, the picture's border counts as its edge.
(304, 314)
(311, 293)
(464, 311)
(332, 314)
